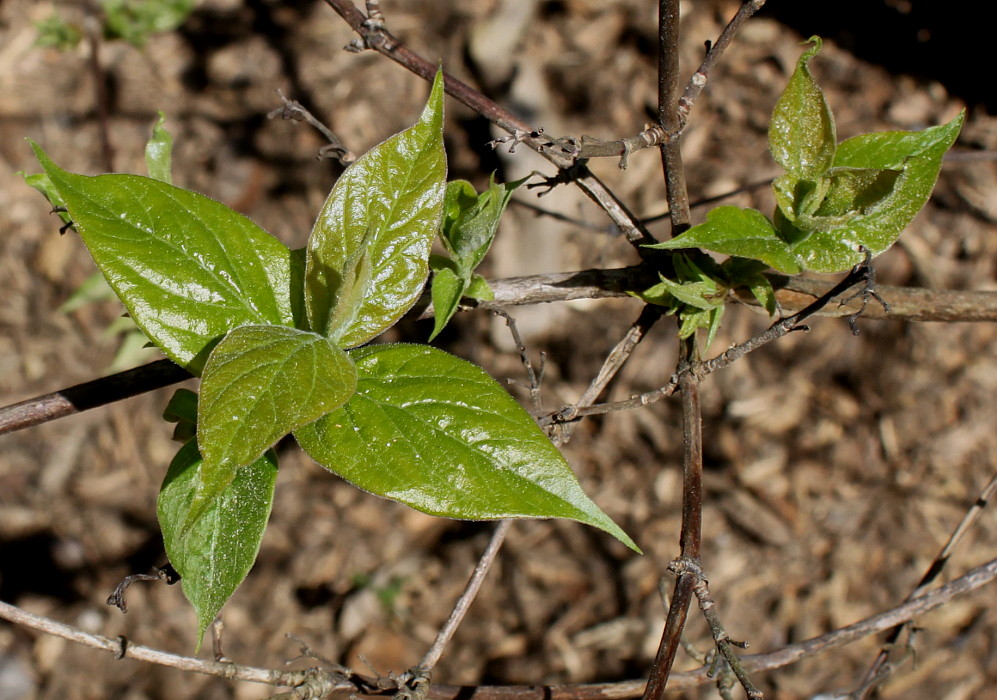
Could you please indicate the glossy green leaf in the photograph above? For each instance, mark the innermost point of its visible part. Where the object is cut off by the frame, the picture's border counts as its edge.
(187, 268)
(447, 289)
(159, 153)
(214, 554)
(368, 251)
(802, 134)
(438, 434)
(745, 233)
(918, 157)
(259, 384)
(470, 220)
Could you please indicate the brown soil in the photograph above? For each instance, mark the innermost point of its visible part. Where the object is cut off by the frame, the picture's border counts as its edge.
(836, 466)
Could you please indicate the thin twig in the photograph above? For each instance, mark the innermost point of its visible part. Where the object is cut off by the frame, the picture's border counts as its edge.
(692, 525)
(535, 376)
(379, 39)
(230, 671)
(967, 583)
(467, 597)
(98, 392)
(702, 368)
(873, 675)
(698, 80)
(617, 357)
(295, 111)
(688, 566)
(668, 115)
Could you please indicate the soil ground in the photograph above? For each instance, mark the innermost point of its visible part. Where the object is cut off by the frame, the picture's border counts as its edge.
(836, 465)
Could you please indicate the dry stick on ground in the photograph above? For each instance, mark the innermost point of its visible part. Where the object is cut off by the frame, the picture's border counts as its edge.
(880, 669)
(376, 37)
(316, 678)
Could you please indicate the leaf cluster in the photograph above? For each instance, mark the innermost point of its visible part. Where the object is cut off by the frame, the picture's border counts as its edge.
(834, 201)
(280, 341)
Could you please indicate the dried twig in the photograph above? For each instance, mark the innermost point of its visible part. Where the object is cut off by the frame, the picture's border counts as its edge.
(377, 38)
(877, 672)
(969, 582)
(295, 111)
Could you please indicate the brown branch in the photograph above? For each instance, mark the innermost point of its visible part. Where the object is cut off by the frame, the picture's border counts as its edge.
(374, 36)
(617, 357)
(794, 293)
(698, 80)
(879, 668)
(969, 582)
(98, 392)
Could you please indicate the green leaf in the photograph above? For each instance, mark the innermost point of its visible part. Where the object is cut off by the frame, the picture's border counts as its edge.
(699, 295)
(918, 156)
(479, 289)
(470, 221)
(259, 384)
(54, 32)
(214, 554)
(801, 134)
(136, 20)
(437, 433)
(745, 233)
(187, 268)
(182, 410)
(368, 251)
(446, 292)
(42, 183)
(159, 153)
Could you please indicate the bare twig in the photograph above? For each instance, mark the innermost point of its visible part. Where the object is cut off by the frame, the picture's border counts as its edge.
(617, 357)
(688, 566)
(668, 115)
(969, 582)
(716, 50)
(692, 525)
(466, 598)
(98, 392)
(873, 675)
(379, 39)
(535, 376)
(230, 671)
(702, 368)
(295, 111)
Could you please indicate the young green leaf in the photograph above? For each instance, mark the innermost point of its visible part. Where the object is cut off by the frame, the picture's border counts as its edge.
(479, 289)
(745, 233)
(159, 153)
(801, 133)
(917, 155)
(470, 220)
(182, 410)
(437, 433)
(214, 554)
(368, 251)
(259, 384)
(447, 289)
(187, 268)
(42, 183)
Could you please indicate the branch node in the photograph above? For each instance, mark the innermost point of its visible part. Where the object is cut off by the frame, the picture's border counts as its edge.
(122, 649)
(868, 290)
